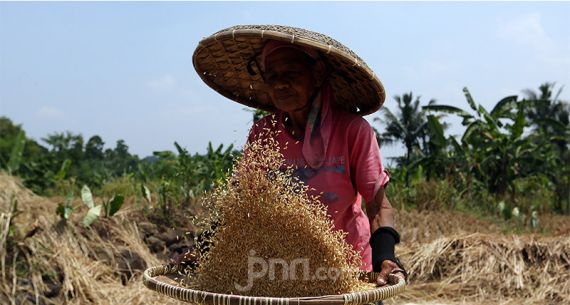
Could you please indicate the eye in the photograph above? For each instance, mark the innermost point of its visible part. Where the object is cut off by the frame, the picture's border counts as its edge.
(286, 73)
(269, 77)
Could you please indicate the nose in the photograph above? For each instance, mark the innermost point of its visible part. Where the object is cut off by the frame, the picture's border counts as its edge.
(279, 83)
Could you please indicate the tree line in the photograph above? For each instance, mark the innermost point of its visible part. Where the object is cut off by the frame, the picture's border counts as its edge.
(501, 150)
(509, 151)
(64, 162)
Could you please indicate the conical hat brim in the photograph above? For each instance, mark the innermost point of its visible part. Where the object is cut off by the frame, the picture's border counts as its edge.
(222, 61)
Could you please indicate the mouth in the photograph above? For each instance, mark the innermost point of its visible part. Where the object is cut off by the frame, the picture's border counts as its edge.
(284, 95)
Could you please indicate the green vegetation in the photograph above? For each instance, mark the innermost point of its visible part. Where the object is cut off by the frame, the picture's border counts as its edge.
(67, 162)
(67, 165)
(515, 154)
(511, 162)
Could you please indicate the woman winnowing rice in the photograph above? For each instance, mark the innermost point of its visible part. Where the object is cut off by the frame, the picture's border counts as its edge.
(317, 91)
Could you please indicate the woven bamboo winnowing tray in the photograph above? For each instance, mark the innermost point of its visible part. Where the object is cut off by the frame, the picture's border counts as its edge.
(160, 279)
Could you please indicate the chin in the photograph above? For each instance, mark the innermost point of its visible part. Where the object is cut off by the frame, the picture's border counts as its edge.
(286, 108)
(289, 106)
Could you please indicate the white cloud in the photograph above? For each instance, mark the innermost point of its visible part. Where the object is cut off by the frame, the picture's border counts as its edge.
(163, 83)
(49, 112)
(526, 30)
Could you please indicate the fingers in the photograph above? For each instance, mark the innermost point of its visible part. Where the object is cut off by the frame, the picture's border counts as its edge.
(182, 258)
(388, 267)
(172, 260)
(186, 257)
(383, 276)
(382, 279)
(399, 273)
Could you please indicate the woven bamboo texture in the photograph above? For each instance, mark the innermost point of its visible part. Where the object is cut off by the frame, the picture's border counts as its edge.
(152, 280)
(223, 61)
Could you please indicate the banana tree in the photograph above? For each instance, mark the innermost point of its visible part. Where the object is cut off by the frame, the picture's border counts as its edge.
(107, 209)
(492, 146)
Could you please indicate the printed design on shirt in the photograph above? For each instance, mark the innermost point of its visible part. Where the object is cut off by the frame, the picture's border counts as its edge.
(330, 197)
(305, 173)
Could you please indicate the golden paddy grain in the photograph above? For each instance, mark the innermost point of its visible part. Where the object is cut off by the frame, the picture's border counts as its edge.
(264, 213)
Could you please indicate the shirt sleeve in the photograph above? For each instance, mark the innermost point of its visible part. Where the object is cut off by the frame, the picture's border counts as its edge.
(366, 169)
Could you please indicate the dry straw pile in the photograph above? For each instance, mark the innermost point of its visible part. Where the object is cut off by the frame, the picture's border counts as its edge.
(68, 264)
(263, 209)
(491, 268)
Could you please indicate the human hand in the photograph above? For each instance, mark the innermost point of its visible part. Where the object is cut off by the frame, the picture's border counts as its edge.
(389, 267)
(183, 259)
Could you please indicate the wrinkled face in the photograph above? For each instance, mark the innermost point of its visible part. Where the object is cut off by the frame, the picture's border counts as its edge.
(291, 80)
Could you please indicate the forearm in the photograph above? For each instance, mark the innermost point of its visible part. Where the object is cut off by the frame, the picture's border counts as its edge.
(380, 212)
(383, 235)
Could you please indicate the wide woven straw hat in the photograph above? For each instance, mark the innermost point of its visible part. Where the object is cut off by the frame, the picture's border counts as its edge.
(224, 62)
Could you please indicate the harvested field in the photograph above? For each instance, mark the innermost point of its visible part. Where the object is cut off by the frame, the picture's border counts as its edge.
(426, 226)
(482, 267)
(49, 263)
(58, 264)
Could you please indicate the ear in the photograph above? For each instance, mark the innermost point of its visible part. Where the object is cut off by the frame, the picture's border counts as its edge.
(319, 73)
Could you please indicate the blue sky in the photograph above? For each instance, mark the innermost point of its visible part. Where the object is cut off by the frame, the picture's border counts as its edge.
(124, 70)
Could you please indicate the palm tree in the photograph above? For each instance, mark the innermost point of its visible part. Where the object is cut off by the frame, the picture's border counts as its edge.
(408, 126)
(551, 119)
(543, 106)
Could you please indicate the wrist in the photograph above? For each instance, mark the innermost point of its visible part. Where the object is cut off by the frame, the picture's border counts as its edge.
(383, 242)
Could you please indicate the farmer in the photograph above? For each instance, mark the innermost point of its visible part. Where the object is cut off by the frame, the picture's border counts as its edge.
(317, 91)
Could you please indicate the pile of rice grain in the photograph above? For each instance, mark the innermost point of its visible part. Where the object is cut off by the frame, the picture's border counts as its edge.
(265, 213)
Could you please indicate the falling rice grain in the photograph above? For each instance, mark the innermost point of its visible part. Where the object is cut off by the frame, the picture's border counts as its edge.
(266, 216)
